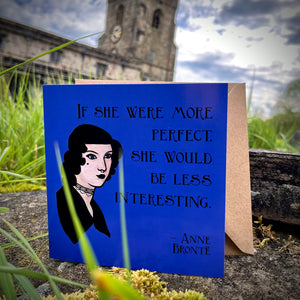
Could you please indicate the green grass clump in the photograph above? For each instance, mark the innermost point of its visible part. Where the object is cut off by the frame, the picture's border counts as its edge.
(13, 279)
(270, 135)
(22, 150)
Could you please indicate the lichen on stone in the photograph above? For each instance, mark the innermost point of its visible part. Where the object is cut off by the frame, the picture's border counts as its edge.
(263, 234)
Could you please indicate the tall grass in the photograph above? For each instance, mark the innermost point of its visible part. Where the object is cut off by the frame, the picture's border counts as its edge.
(21, 275)
(269, 134)
(22, 150)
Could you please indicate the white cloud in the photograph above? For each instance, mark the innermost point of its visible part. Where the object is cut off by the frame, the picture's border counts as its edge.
(239, 47)
(71, 19)
(218, 40)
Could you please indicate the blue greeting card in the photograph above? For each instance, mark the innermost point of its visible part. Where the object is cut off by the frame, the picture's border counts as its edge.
(172, 140)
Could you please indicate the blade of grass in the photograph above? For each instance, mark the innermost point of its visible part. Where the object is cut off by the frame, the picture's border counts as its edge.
(24, 180)
(35, 162)
(4, 210)
(4, 153)
(26, 285)
(38, 275)
(114, 287)
(15, 175)
(107, 285)
(23, 243)
(251, 92)
(7, 180)
(263, 139)
(6, 281)
(45, 53)
(38, 252)
(123, 220)
(85, 247)
(28, 239)
(88, 254)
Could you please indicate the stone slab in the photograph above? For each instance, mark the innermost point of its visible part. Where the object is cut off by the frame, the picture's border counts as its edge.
(275, 183)
(268, 274)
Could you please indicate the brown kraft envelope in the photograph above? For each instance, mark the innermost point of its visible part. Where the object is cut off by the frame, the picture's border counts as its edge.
(238, 218)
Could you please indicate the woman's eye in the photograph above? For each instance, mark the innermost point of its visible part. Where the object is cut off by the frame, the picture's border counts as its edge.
(107, 155)
(91, 156)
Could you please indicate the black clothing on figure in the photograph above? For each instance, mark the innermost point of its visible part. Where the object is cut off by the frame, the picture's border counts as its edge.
(83, 214)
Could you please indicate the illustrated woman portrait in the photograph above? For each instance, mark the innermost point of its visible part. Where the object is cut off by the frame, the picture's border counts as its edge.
(90, 161)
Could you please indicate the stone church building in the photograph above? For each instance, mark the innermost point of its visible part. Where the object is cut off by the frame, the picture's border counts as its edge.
(138, 44)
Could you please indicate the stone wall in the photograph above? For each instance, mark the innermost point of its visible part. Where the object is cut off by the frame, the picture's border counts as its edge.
(275, 185)
(19, 42)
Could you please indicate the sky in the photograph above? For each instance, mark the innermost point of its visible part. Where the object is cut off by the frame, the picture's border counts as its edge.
(251, 41)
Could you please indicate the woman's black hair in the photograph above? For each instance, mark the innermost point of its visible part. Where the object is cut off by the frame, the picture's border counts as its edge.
(88, 134)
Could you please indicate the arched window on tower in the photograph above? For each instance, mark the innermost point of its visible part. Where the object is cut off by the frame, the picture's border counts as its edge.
(156, 19)
(120, 14)
(142, 10)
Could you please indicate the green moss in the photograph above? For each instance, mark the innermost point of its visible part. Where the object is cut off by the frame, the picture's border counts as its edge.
(149, 285)
(146, 282)
(21, 187)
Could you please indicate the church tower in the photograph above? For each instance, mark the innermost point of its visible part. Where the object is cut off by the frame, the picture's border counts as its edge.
(142, 32)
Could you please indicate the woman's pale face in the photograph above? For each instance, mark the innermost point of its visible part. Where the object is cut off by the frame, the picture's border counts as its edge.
(94, 172)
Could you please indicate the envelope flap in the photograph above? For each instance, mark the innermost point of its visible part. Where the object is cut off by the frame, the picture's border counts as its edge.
(238, 224)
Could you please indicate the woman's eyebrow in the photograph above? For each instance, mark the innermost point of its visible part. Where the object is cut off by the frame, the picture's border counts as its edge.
(92, 151)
